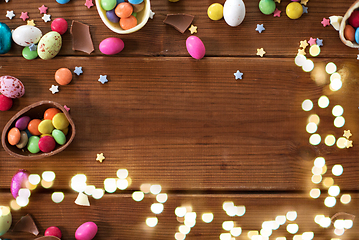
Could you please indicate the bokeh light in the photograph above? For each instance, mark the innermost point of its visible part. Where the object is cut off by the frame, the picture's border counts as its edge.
(307, 105)
(57, 197)
(337, 170)
(207, 217)
(138, 196)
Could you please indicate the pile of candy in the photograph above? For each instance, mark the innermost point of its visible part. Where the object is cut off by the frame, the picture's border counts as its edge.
(40, 135)
(124, 13)
(10, 88)
(351, 31)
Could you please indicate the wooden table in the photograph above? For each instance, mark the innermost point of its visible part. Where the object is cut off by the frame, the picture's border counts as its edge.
(188, 125)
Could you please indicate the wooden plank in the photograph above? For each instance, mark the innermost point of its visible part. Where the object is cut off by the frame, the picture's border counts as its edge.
(188, 125)
(118, 216)
(280, 39)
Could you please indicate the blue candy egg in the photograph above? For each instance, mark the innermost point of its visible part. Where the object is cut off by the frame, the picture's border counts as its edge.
(119, 1)
(112, 17)
(62, 1)
(5, 38)
(357, 35)
(135, 1)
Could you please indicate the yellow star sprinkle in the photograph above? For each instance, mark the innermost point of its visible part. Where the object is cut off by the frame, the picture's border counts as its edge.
(31, 22)
(349, 144)
(301, 52)
(303, 44)
(277, 1)
(100, 157)
(347, 134)
(304, 2)
(193, 29)
(260, 52)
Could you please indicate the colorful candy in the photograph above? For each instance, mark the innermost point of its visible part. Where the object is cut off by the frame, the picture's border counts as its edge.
(33, 127)
(86, 231)
(13, 136)
(49, 45)
(23, 140)
(25, 35)
(267, 6)
(5, 219)
(59, 25)
(60, 121)
(50, 113)
(47, 144)
(215, 11)
(349, 33)
(234, 12)
(18, 181)
(53, 231)
(5, 103)
(112, 45)
(28, 54)
(5, 40)
(63, 76)
(33, 144)
(294, 10)
(128, 23)
(124, 10)
(195, 47)
(11, 87)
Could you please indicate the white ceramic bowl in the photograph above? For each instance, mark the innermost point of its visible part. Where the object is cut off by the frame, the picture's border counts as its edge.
(142, 18)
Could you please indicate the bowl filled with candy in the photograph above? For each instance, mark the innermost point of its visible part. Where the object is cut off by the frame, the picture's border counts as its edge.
(122, 16)
(349, 26)
(39, 130)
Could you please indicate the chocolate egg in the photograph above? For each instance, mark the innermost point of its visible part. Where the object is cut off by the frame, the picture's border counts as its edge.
(49, 45)
(11, 87)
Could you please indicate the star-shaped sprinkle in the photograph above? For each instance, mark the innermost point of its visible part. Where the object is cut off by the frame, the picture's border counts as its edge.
(88, 3)
(319, 42)
(33, 47)
(347, 134)
(43, 9)
(312, 41)
(349, 144)
(152, 14)
(260, 28)
(31, 22)
(103, 79)
(66, 108)
(358, 57)
(100, 157)
(305, 9)
(238, 75)
(46, 17)
(277, 12)
(325, 22)
(277, 1)
(10, 14)
(54, 89)
(24, 16)
(6, 1)
(78, 70)
(193, 29)
(260, 52)
(303, 44)
(304, 2)
(301, 52)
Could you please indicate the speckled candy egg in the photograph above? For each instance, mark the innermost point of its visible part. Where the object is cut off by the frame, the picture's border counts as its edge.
(49, 45)
(26, 35)
(5, 219)
(234, 12)
(11, 87)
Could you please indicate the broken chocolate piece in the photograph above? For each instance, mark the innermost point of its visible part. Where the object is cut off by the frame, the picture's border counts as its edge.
(81, 37)
(26, 224)
(179, 21)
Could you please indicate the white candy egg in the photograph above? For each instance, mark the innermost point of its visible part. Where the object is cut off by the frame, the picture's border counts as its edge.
(234, 12)
(26, 35)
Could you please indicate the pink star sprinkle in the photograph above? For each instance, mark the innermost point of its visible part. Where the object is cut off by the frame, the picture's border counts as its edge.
(67, 108)
(43, 9)
(88, 3)
(24, 16)
(312, 41)
(277, 13)
(325, 22)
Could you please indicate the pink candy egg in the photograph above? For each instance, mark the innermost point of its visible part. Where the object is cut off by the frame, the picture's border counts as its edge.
(53, 231)
(11, 87)
(86, 231)
(195, 47)
(5, 103)
(59, 25)
(112, 45)
(18, 181)
(47, 144)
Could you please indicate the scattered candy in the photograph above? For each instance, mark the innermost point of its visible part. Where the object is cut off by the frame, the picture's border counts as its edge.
(5, 103)
(28, 54)
(319, 42)
(193, 29)
(26, 35)
(347, 134)
(260, 28)
(267, 6)
(49, 45)
(62, 1)
(277, 12)
(59, 25)
(294, 10)
(234, 12)
(54, 89)
(215, 11)
(53, 231)
(18, 181)
(195, 47)
(78, 70)
(260, 52)
(63, 76)
(46, 17)
(312, 41)
(24, 16)
(30, 23)
(88, 3)
(303, 44)
(67, 108)
(305, 9)
(238, 75)
(86, 231)
(10, 14)
(112, 45)
(5, 43)
(43, 9)
(11, 87)
(304, 2)
(325, 22)
(103, 79)
(100, 157)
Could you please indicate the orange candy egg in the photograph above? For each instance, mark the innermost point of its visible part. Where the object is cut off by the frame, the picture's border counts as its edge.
(63, 76)
(123, 10)
(13, 136)
(33, 127)
(50, 113)
(128, 23)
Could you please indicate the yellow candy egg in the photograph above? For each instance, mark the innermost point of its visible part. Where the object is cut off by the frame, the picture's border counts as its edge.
(294, 10)
(215, 11)
(5, 219)
(45, 126)
(60, 121)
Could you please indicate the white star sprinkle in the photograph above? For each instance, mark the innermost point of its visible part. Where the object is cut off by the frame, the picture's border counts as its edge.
(54, 89)
(152, 14)
(6, 1)
(103, 79)
(46, 17)
(78, 70)
(10, 14)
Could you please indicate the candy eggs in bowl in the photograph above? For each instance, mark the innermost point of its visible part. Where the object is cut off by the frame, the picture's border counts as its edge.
(142, 15)
(351, 17)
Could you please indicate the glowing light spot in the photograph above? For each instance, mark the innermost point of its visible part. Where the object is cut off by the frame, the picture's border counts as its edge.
(307, 105)
(232, 211)
(335, 85)
(157, 208)
(122, 184)
(34, 179)
(250, 234)
(348, 223)
(48, 176)
(190, 224)
(339, 122)
(337, 110)
(318, 218)
(297, 237)
(307, 235)
(14, 205)
(311, 127)
(308, 65)
(292, 228)
(342, 142)
(24, 192)
(314, 50)
(330, 202)
(281, 238)
(338, 232)
(329, 140)
(227, 205)
(145, 188)
(324, 169)
(162, 197)
(339, 223)
(328, 181)
(291, 215)
(180, 211)
(266, 232)
(21, 201)
(138, 196)
(151, 221)
(78, 182)
(225, 236)
(300, 60)
(319, 162)
(46, 184)
(207, 217)
(314, 118)
(323, 102)
(281, 219)
(79, 178)
(337, 170)
(155, 189)
(57, 197)
(98, 193)
(184, 229)
(345, 198)
(331, 68)
(228, 225)
(315, 139)
(190, 216)
(314, 193)
(236, 231)
(180, 236)
(89, 189)
(110, 185)
(316, 170)
(122, 173)
(335, 76)
(241, 210)
(316, 179)
(334, 190)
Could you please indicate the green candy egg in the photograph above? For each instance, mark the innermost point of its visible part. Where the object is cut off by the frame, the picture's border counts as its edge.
(267, 6)
(29, 55)
(5, 219)
(108, 4)
(33, 144)
(59, 136)
(49, 45)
